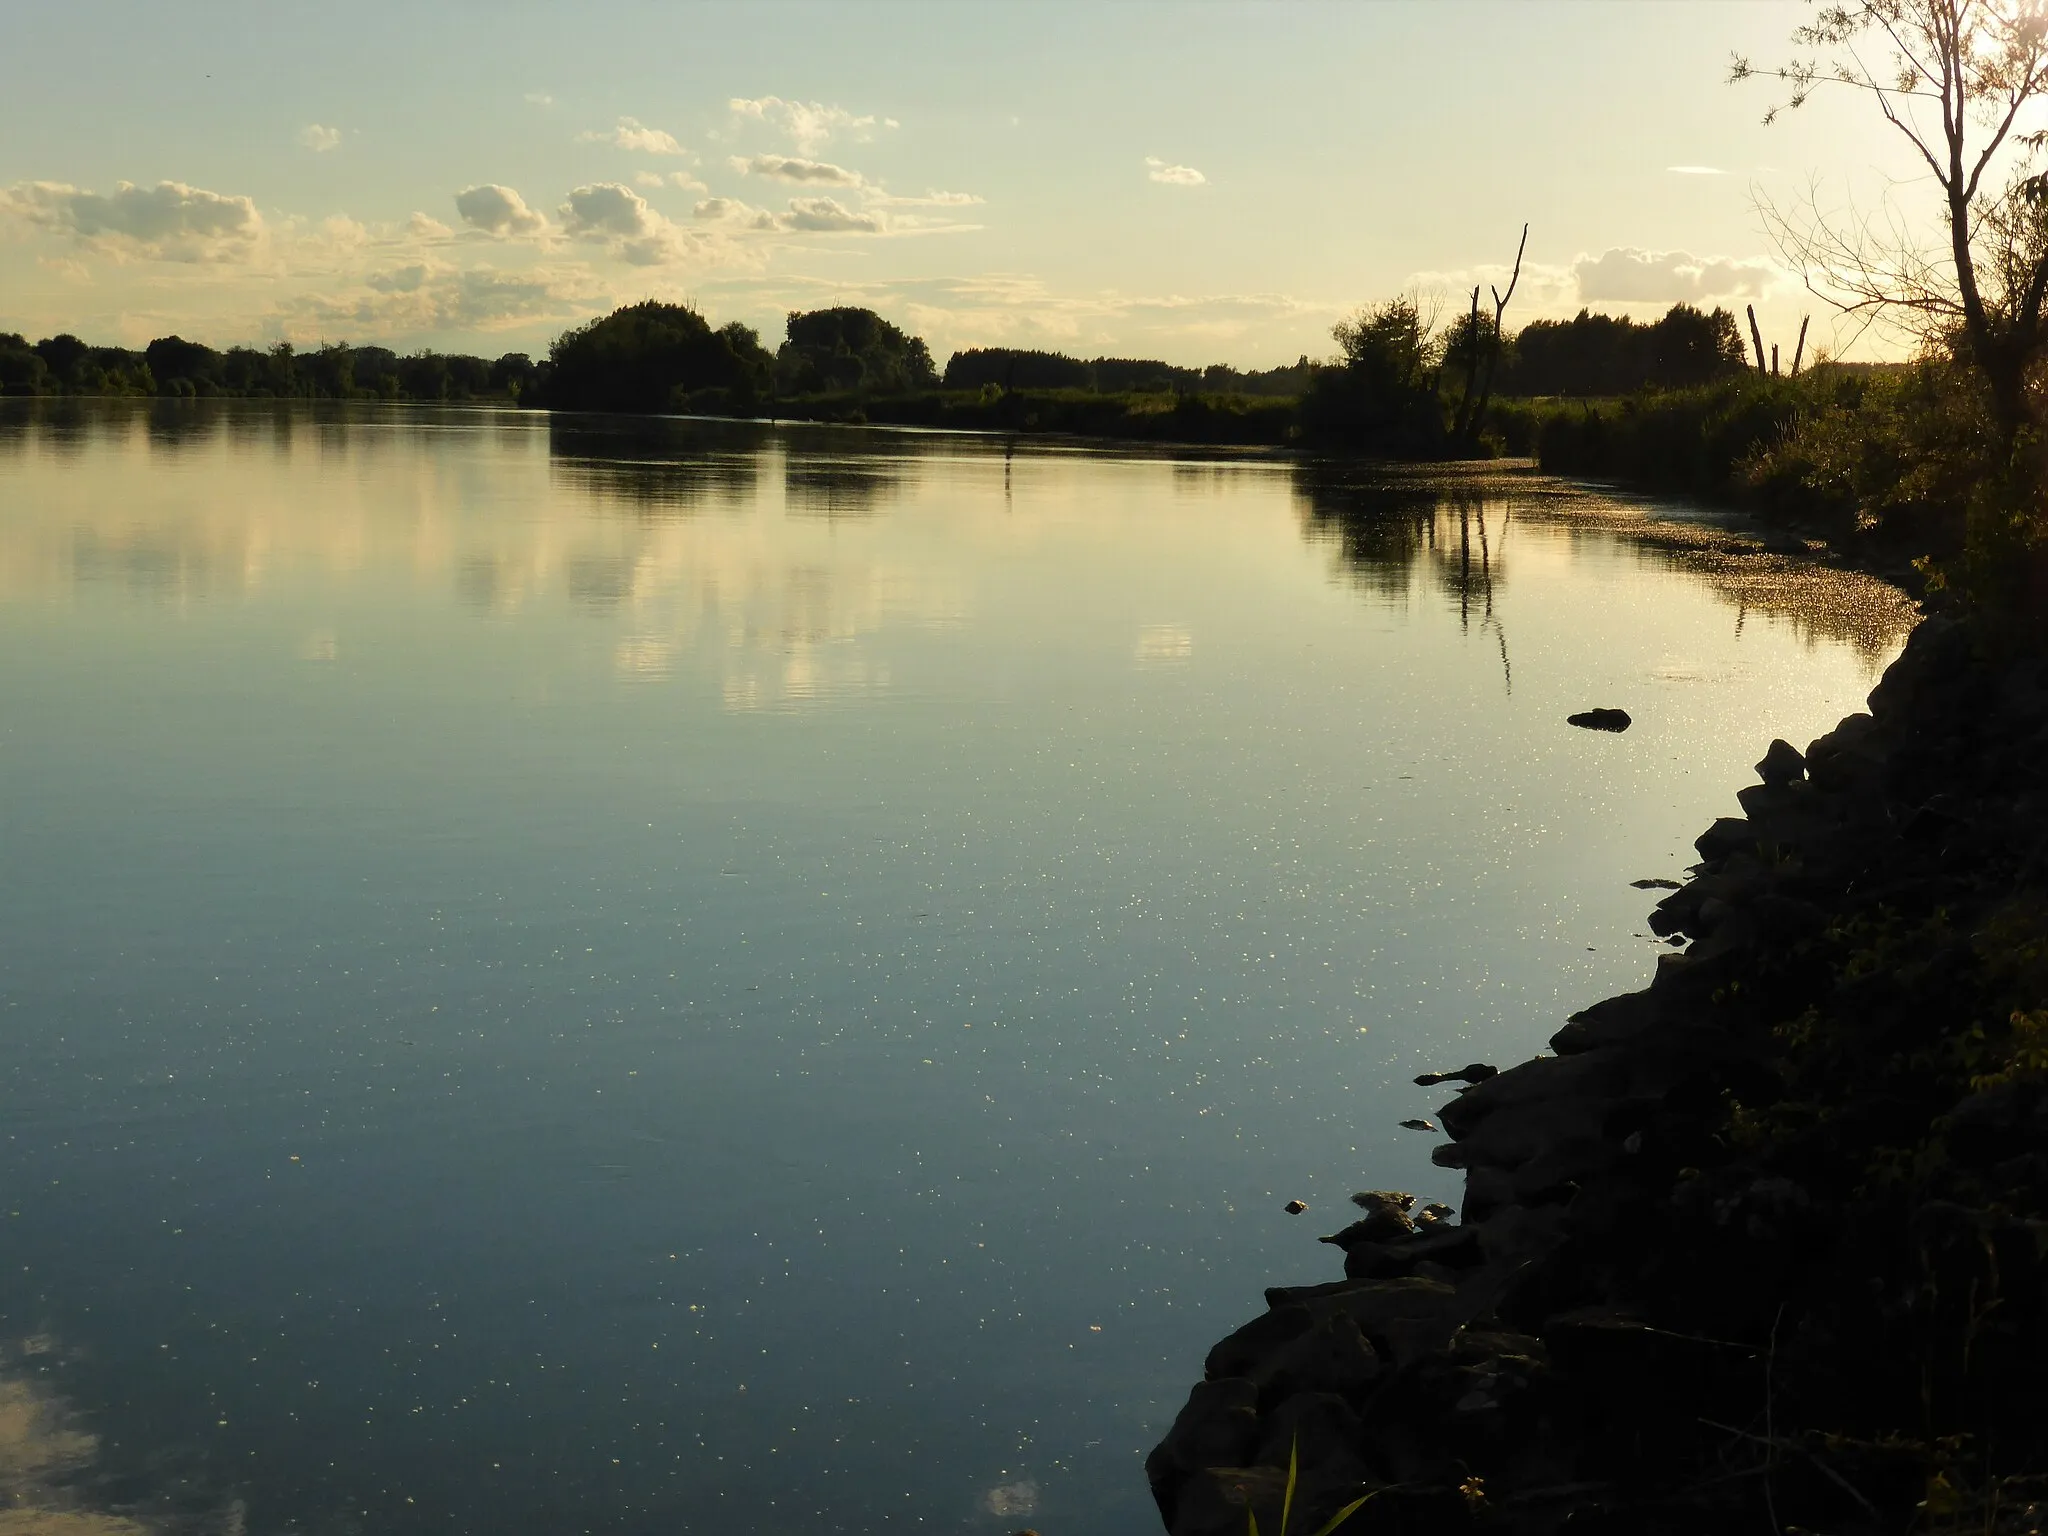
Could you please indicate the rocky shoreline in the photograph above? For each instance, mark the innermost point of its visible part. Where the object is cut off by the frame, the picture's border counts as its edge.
(1759, 1247)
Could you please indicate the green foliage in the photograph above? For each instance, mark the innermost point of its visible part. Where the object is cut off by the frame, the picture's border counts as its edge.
(1381, 397)
(1287, 1500)
(1613, 355)
(846, 350)
(653, 357)
(1008, 368)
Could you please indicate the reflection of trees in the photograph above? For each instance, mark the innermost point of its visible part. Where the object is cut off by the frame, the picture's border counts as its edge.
(1381, 526)
(1388, 527)
(180, 424)
(839, 484)
(657, 467)
(14, 420)
(1449, 528)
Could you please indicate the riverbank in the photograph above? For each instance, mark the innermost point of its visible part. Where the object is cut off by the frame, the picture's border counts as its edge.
(1760, 1246)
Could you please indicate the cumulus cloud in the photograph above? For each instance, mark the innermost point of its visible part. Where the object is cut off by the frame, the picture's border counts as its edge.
(809, 124)
(426, 297)
(167, 222)
(1625, 275)
(636, 136)
(498, 210)
(830, 216)
(1173, 175)
(606, 209)
(796, 168)
(424, 226)
(681, 180)
(611, 214)
(734, 214)
(319, 138)
(808, 215)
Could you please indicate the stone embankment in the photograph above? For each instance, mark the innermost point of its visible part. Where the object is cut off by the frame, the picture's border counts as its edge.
(1759, 1247)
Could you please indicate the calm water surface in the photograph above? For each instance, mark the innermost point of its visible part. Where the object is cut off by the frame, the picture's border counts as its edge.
(564, 976)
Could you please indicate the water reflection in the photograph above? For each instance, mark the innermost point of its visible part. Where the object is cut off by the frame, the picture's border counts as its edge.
(1402, 533)
(54, 1480)
(839, 484)
(595, 972)
(657, 467)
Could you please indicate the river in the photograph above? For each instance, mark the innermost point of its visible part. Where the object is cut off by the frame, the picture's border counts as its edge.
(591, 975)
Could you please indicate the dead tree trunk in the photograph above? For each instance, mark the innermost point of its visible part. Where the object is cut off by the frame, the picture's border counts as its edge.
(1485, 358)
(1757, 338)
(1500, 308)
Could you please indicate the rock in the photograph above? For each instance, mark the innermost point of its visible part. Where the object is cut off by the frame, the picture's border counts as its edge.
(1418, 1125)
(1658, 884)
(1218, 1427)
(1728, 834)
(1386, 1217)
(1608, 1022)
(1600, 720)
(1472, 1072)
(1295, 1207)
(1782, 763)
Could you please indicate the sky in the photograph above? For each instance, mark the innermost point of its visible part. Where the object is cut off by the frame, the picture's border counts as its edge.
(1198, 182)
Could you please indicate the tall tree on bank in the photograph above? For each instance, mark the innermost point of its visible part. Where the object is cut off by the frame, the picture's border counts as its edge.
(1955, 78)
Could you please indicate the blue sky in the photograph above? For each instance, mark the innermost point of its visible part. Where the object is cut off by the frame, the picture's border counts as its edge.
(1202, 182)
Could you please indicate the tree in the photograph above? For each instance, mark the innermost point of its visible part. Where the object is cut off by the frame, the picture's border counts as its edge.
(851, 349)
(1381, 396)
(651, 357)
(1953, 77)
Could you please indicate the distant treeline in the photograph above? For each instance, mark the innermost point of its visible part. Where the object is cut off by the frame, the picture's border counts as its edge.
(1614, 355)
(170, 365)
(1399, 386)
(1008, 368)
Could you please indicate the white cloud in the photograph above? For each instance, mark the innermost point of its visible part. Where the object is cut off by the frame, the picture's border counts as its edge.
(1173, 175)
(611, 214)
(167, 222)
(498, 210)
(796, 168)
(428, 297)
(606, 209)
(809, 124)
(681, 180)
(734, 214)
(1626, 275)
(806, 215)
(829, 216)
(319, 138)
(634, 135)
(423, 226)
(539, 99)
(1695, 170)
(933, 199)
